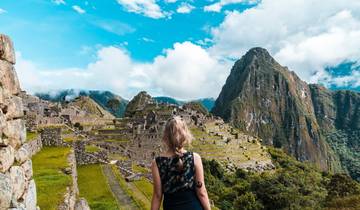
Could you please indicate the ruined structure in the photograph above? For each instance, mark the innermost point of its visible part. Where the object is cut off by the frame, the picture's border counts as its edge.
(51, 137)
(17, 187)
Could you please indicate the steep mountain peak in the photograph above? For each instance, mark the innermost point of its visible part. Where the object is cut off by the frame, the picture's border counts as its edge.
(266, 99)
(258, 56)
(138, 103)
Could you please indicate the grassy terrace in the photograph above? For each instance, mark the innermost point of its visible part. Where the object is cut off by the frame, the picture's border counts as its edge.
(213, 147)
(94, 187)
(31, 135)
(140, 191)
(51, 182)
(91, 148)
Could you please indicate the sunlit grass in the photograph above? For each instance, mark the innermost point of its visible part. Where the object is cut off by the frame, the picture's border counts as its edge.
(50, 181)
(94, 187)
(31, 136)
(91, 148)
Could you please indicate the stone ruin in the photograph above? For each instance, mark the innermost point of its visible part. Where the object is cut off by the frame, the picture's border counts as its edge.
(51, 137)
(84, 158)
(17, 187)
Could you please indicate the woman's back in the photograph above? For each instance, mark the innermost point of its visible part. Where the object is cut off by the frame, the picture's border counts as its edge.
(178, 186)
(172, 179)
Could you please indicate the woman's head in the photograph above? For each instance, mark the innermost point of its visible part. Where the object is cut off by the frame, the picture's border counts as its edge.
(176, 134)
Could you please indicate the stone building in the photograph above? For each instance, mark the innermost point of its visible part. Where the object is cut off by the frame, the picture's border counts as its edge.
(17, 187)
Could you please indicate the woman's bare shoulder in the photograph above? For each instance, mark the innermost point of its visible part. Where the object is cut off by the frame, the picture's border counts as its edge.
(196, 156)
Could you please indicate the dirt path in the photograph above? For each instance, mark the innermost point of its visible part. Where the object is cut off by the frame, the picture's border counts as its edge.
(123, 199)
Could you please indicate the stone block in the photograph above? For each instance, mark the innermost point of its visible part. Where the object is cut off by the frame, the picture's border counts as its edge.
(5, 191)
(8, 78)
(21, 155)
(7, 49)
(6, 158)
(27, 166)
(30, 196)
(15, 131)
(82, 204)
(17, 176)
(14, 107)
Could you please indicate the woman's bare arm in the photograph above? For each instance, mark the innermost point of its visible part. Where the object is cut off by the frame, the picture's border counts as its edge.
(200, 184)
(157, 192)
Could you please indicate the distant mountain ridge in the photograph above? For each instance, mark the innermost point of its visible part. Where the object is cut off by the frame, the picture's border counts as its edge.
(109, 101)
(208, 103)
(113, 103)
(266, 99)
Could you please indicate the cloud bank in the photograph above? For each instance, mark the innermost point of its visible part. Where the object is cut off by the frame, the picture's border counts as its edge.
(185, 71)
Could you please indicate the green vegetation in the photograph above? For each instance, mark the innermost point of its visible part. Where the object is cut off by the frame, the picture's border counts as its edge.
(293, 185)
(115, 156)
(139, 169)
(141, 200)
(31, 135)
(91, 148)
(196, 106)
(51, 182)
(93, 186)
(346, 145)
(145, 187)
(120, 140)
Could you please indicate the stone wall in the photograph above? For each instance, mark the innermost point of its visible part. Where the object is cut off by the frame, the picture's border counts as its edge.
(33, 146)
(71, 200)
(17, 187)
(71, 191)
(84, 158)
(51, 136)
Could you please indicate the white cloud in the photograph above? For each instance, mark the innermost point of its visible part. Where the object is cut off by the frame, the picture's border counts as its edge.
(58, 2)
(216, 7)
(147, 8)
(2, 11)
(185, 71)
(185, 8)
(78, 9)
(145, 39)
(170, 1)
(307, 36)
(113, 26)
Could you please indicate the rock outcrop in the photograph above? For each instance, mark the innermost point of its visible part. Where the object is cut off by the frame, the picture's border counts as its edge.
(266, 99)
(17, 187)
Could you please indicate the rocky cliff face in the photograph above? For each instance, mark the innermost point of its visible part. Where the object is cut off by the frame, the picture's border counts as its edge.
(17, 187)
(338, 114)
(266, 99)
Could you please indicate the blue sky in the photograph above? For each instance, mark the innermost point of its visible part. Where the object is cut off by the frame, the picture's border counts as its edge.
(179, 48)
(55, 35)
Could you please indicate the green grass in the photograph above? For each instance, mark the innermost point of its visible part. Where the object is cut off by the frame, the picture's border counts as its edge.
(132, 191)
(93, 186)
(66, 131)
(51, 182)
(117, 140)
(91, 148)
(145, 187)
(31, 135)
(139, 169)
(117, 157)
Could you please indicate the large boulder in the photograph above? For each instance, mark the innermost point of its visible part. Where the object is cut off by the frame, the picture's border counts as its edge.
(17, 176)
(5, 191)
(6, 158)
(6, 49)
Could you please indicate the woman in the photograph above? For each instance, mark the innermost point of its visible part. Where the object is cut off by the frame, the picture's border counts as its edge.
(177, 173)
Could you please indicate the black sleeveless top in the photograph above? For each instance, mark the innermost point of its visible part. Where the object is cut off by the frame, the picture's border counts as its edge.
(173, 180)
(178, 186)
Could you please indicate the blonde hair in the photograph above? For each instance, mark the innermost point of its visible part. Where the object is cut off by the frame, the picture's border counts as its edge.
(176, 135)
